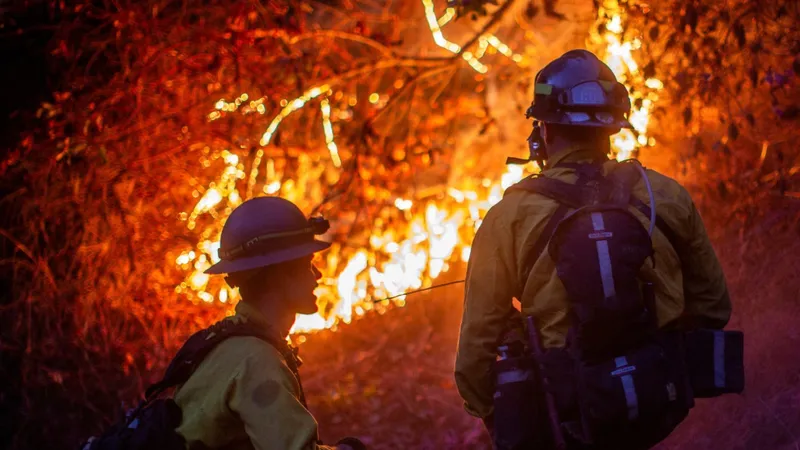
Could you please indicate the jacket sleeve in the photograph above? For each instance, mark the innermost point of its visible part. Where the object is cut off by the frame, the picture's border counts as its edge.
(264, 394)
(708, 303)
(487, 310)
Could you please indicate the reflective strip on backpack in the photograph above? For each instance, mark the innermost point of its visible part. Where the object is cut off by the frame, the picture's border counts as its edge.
(603, 257)
(719, 359)
(630, 390)
(514, 376)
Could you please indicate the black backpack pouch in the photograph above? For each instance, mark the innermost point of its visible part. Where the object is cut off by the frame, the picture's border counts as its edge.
(598, 252)
(637, 398)
(715, 360)
(153, 427)
(519, 410)
(631, 380)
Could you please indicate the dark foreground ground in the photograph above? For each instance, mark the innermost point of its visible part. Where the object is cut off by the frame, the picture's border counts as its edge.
(388, 379)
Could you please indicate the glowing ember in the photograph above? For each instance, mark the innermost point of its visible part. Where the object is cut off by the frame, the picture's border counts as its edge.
(424, 236)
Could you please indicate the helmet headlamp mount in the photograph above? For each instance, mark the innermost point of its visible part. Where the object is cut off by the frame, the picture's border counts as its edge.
(315, 226)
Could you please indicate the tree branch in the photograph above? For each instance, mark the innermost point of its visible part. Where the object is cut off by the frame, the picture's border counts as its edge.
(501, 11)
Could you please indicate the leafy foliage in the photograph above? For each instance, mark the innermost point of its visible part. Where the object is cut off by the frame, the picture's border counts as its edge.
(731, 72)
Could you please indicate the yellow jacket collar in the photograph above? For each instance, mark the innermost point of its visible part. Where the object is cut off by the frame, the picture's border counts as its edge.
(577, 153)
(251, 314)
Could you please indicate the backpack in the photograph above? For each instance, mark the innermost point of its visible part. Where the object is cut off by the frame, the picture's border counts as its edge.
(152, 424)
(626, 384)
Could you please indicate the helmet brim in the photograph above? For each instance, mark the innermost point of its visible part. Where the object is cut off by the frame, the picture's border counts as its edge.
(267, 259)
(619, 124)
(560, 118)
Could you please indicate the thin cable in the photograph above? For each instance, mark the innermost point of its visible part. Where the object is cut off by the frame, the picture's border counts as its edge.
(417, 291)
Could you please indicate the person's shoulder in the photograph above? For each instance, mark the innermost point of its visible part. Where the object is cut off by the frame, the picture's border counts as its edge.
(248, 351)
(235, 358)
(519, 209)
(665, 187)
(657, 176)
(506, 209)
(670, 184)
(522, 195)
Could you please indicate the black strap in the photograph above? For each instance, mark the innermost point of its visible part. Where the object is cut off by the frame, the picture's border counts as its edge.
(573, 196)
(596, 162)
(569, 196)
(592, 187)
(544, 238)
(200, 344)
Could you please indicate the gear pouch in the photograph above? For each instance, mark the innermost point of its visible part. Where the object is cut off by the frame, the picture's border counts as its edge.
(637, 398)
(715, 359)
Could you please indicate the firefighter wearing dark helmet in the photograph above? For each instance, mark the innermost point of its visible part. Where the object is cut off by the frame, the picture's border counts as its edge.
(578, 104)
(246, 393)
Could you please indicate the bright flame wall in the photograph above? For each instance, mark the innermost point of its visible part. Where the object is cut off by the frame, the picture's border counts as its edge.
(420, 238)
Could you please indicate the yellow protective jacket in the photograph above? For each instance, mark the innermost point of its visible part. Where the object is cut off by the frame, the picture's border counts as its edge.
(504, 242)
(243, 396)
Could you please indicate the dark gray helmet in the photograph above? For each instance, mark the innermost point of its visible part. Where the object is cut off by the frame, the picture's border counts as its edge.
(579, 89)
(265, 231)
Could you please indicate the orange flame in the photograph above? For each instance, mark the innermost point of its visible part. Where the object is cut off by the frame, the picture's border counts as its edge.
(402, 254)
(473, 59)
(619, 55)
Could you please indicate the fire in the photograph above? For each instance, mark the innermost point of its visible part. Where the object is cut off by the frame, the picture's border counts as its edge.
(473, 59)
(424, 235)
(619, 55)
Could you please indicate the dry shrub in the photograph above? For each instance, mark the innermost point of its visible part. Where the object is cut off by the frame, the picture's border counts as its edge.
(731, 72)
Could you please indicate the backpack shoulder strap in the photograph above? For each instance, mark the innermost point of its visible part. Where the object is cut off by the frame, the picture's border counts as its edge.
(569, 196)
(625, 177)
(620, 181)
(564, 193)
(200, 344)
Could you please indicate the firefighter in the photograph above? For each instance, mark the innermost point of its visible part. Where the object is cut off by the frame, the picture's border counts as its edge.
(245, 394)
(578, 104)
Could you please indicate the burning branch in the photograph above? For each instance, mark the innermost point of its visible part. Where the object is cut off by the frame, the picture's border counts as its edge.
(355, 296)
